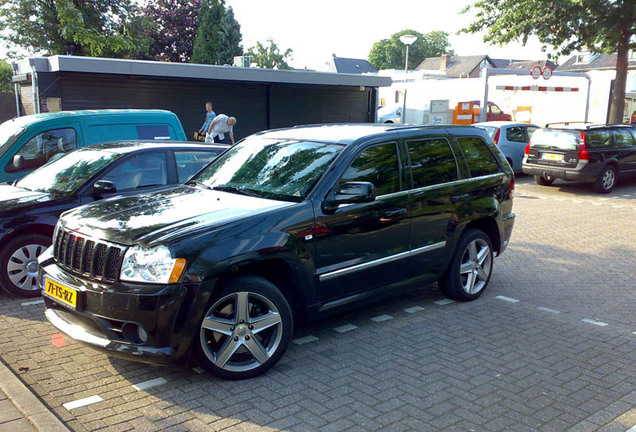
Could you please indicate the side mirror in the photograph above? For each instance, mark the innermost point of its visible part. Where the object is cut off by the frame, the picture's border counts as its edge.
(351, 193)
(18, 162)
(103, 187)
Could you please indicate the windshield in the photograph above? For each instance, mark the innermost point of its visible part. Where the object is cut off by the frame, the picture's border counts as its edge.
(273, 168)
(66, 174)
(556, 139)
(9, 132)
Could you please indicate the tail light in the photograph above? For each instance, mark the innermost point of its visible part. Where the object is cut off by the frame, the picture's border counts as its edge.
(511, 186)
(583, 153)
(496, 137)
(527, 151)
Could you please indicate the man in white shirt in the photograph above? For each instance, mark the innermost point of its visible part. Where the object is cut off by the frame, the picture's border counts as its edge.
(221, 125)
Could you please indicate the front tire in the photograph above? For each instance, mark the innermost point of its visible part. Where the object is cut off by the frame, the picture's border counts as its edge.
(19, 265)
(471, 266)
(246, 329)
(606, 181)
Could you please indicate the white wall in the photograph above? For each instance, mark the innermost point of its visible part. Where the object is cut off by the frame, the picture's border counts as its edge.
(547, 106)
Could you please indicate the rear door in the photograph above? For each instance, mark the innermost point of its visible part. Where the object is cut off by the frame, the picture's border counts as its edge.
(626, 148)
(434, 199)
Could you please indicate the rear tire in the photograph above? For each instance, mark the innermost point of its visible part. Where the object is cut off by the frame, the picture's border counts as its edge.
(471, 266)
(606, 181)
(245, 330)
(19, 265)
(543, 181)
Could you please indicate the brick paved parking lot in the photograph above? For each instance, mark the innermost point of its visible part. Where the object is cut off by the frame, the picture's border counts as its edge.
(551, 346)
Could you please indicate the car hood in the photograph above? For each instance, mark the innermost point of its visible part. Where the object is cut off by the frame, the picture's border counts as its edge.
(159, 217)
(12, 198)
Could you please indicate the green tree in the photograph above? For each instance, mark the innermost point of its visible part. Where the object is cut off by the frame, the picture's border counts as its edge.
(391, 53)
(601, 26)
(6, 72)
(173, 28)
(270, 57)
(206, 48)
(91, 27)
(229, 38)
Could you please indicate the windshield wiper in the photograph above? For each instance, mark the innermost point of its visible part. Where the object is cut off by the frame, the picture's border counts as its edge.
(197, 183)
(239, 190)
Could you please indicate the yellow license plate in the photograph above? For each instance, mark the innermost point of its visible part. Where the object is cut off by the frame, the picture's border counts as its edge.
(552, 156)
(59, 292)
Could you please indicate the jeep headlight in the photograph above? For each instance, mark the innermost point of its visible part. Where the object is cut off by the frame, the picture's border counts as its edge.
(152, 265)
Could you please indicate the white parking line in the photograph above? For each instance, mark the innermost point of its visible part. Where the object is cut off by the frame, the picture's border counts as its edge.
(545, 309)
(304, 340)
(149, 384)
(198, 370)
(508, 299)
(444, 302)
(594, 322)
(345, 328)
(414, 309)
(381, 318)
(82, 402)
(31, 303)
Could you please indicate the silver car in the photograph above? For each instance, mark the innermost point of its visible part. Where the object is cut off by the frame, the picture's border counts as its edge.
(511, 137)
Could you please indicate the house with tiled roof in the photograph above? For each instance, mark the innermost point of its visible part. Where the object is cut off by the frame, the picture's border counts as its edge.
(457, 66)
(351, 66)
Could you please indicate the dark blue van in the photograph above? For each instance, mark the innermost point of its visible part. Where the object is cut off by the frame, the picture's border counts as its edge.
(28, 142)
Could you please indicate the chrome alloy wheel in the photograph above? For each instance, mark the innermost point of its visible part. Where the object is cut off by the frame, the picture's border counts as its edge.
(22, 267)
(475, 267)
(241, 331)
(608, 180)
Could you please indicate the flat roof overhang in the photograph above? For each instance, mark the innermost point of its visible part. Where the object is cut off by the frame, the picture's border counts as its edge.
(96, 65)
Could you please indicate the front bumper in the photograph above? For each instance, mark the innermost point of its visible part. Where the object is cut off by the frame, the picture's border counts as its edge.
(142, 323)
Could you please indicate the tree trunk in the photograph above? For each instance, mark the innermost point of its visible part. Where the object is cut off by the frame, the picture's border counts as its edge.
(617, 106)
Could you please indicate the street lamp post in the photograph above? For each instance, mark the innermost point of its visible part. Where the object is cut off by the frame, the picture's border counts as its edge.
(406, 40)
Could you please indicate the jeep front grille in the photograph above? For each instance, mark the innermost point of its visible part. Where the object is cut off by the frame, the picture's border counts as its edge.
(92, 258)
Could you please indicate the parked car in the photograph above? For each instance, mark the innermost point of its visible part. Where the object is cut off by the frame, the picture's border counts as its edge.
(390, 114)
(598, 154)
(494, 113)
(28, 142)
(288, 224)
(511, 138)
(29, 208)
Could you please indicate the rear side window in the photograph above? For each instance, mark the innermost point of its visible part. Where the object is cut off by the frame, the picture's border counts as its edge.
(379, 165)
(114, 132)
(622, 138)
(189, 163)
(515, 134)
(432, 162)
(599, 139)
(480, 160)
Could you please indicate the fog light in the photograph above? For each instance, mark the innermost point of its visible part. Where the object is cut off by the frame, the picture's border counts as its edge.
(135, 333)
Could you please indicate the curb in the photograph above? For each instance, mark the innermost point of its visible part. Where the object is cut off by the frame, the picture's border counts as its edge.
(28, 404)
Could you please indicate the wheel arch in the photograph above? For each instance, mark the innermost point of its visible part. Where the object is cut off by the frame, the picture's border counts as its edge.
(38, 228)
(489, 226)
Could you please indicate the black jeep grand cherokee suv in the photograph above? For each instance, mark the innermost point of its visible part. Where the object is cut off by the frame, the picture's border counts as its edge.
(289, 223)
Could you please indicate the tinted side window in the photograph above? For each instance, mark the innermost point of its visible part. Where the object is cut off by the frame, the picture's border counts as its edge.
(515, 134)
(432, 162)
(379, 165)
(622, 138)
(189, 163)
(146, 169)
(42, 147)
(599, 139)
(479, 158)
